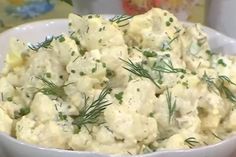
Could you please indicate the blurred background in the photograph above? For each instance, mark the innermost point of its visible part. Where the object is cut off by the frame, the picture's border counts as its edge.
(15, 12)
(209, 12)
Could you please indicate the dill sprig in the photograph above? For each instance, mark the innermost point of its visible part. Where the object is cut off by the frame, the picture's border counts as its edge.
(51, 88)
(46, 43)
(90, 112)
(227, 92)
(219, 84)
(138, 70)
(216, 136)
(191, 142)
(167, 45)
(227, 79)
(171, 105)
(121, 20)
(167, 67)
(211, 85)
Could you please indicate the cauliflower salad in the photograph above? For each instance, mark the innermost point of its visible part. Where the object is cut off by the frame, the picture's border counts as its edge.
(127, 85)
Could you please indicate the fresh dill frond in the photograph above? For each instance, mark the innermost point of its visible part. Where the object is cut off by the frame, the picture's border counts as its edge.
(167, 45)
(167, 67)
(121, 20)
(227, 79)
(90, 113)
(216, 136)
(51, 88)
(171, 105)
(211, 85)
(139, 70)
(227, 92)
(46, 43)
(219, 84)
(191, 142)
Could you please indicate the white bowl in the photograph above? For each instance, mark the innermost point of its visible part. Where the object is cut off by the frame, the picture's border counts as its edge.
(36, 31)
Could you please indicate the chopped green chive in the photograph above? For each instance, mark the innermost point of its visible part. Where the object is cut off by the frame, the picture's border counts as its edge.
(221, 62)
(168, 23)
(82, 73)
(48, 75)
(119, 97)
(61, 39)
(9, 99)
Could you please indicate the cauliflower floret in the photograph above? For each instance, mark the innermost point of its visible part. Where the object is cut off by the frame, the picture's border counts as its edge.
(5, 122)
(129, 125)
(101, 140)
(230, 123)
(175, 142)
(46, 135)
(195, 49)
(64, 49)
(139, 96)
(42, 108)
(94, 32)
(6, 89)
(81, 141)
(10, 108)
(157, 30)
(14, 57)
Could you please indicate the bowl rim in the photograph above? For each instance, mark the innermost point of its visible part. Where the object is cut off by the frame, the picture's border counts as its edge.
(160, 152)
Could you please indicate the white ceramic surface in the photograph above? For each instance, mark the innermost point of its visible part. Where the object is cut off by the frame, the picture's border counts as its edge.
(35, 32)
(221, 16)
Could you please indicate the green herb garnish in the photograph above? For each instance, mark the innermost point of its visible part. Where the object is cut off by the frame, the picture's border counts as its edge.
(110, 73)
(191, 142)
(167, 67)
(23, 111)
(167, 45)
(46, 44)
(121, 20)
(62, 116)
(219, 84)
(138, 69)
(48, 75)
(61, 39)
(216, 136)
(210, 54)
(171, 105)
(147, 53)
(51, 88)
(81, 73)
(119, 97)
(168, 23)
(9, 99)
(94, 69)
(221, 62)
(90, 113)
(211, 85)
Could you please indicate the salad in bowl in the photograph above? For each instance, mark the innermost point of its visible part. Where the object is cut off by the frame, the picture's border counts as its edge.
(123, 86)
